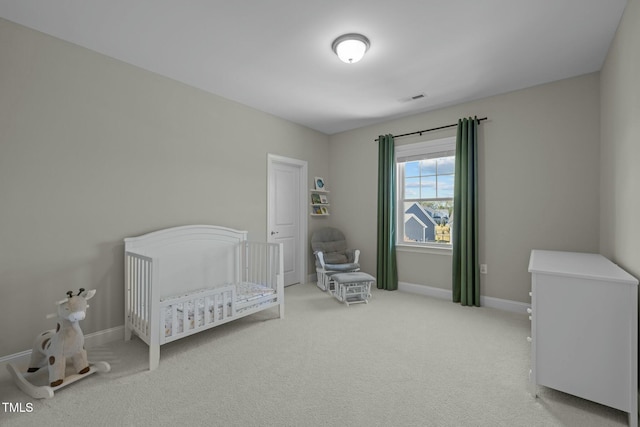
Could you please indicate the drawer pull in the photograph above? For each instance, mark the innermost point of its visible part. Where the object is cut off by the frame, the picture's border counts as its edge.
(530, 294)
(530, 318)
(529, 339)
(529, 311)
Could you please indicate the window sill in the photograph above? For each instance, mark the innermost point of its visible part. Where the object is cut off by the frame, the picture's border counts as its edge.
(423, 249)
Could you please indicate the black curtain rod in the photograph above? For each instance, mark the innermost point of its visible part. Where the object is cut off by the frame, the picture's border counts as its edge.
(429, 130)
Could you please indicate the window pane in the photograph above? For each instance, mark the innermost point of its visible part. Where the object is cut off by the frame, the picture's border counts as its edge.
(412, 188)
(446, 165)
(412, 169)
(428, 187)
(416, 223)
(428, 167)
(445, 186)
(427, 222)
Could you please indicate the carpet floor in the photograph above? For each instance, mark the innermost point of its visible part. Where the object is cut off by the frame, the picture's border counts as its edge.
(401, 360)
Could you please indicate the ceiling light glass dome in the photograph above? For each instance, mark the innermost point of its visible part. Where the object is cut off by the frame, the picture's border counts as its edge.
(350, 48)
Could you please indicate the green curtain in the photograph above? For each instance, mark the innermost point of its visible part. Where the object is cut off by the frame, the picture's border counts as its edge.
(466, 272)
(387, 269)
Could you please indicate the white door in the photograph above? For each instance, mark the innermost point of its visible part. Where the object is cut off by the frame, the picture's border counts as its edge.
(286, 214)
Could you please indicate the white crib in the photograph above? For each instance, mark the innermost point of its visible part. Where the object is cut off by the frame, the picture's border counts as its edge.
(183, 280)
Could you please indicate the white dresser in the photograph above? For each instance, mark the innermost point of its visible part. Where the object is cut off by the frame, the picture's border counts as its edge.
(584, 328)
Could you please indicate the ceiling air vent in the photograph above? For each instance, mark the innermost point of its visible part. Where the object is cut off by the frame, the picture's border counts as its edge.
(413, 98)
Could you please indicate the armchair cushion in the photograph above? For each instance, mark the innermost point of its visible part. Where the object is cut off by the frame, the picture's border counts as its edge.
(334, 258)
(333, 245)
(349, 266)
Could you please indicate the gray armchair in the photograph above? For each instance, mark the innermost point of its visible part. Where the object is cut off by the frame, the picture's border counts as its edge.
(332, 255)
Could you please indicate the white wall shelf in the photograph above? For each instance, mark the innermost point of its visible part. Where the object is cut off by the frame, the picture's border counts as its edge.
(319, 202)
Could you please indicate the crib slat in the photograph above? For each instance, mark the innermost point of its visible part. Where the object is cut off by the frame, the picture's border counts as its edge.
(140, 280)
(134, 291)
(185, 317)
(196, 309)
(225, 303)
(145, 298)
(133, 307)
(207, 310)
(142, 287)
(173, 317)
(140, 273)
(130, 286)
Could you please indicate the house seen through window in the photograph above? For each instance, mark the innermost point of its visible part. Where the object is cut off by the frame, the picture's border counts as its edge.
(426, 173)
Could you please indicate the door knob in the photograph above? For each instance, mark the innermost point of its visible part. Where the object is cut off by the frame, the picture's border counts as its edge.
(274, 232)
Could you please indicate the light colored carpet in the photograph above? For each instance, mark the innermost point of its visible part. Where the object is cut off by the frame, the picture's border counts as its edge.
(401, 360)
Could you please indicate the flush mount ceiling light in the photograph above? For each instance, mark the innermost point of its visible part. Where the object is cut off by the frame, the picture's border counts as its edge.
(350, 48)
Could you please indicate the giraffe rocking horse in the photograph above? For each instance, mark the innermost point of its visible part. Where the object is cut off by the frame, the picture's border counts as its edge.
(52, 348)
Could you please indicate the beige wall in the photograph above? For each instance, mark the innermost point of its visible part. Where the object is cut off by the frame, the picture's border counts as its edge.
(93, 150)
(539, 179)
(620, 148)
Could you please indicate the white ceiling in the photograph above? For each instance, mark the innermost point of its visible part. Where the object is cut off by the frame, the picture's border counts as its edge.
(275, 55)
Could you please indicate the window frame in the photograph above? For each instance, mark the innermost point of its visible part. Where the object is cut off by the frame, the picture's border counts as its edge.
(441, 145)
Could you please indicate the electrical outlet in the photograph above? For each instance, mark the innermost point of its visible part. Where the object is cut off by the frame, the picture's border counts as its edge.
(483, 268)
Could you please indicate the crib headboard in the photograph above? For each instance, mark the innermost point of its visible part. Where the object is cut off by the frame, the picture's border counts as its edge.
(190, 257)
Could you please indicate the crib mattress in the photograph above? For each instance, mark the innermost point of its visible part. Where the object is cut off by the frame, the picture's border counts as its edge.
(245, 294)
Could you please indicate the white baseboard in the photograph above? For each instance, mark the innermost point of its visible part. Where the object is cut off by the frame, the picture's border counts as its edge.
(430, 291)
(103, 337)
(90, 340)
(15, 357)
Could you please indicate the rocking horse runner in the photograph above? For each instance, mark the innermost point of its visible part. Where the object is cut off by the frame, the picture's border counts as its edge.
(51, 348)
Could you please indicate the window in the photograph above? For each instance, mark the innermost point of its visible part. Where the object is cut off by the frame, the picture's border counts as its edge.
(426, 174)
